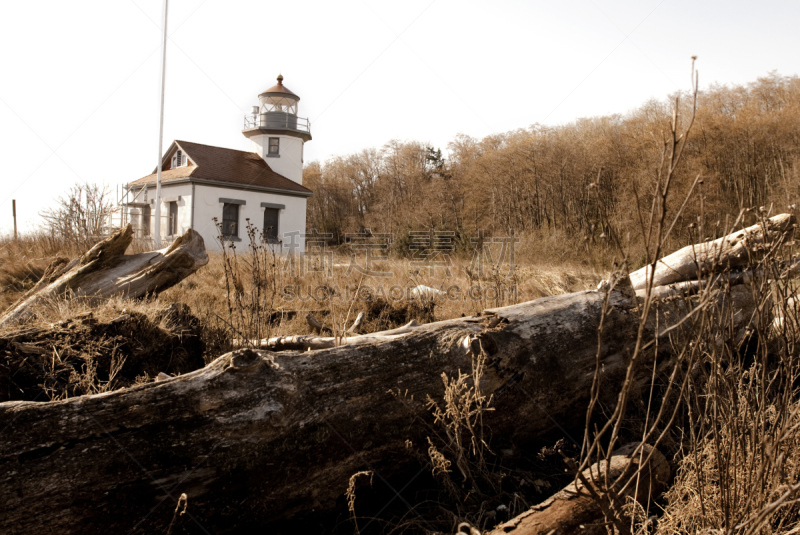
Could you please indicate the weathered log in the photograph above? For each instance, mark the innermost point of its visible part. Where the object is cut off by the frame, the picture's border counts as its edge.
(423, 292)
(355, 328)
(734, 250)
(259, 438)
(315, 324)
(305, 343)
(106, 270)
(319, 328)
(786, 269)
(575, 510)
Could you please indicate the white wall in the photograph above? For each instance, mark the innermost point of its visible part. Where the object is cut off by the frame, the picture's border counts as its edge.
(289, 161)
(180, 193)
(207, 206)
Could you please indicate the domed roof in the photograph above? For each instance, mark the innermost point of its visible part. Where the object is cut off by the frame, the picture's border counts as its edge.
(279, 90)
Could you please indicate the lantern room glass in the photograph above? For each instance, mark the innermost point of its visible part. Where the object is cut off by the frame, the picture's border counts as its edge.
(279, 105)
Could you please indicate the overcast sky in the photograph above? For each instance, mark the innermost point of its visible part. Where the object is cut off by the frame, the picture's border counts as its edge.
(79, 80)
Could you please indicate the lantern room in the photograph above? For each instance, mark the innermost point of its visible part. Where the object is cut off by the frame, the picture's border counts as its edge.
(277, 109)
(278, 99)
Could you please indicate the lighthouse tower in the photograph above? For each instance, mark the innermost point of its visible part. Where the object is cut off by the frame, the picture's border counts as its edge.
(276, 133)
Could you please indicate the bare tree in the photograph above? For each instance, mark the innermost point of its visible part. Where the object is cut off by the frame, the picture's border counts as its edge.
(82, 214)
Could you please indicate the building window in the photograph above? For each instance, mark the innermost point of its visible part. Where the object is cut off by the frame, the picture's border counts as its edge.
(271, 225)
(146, 220)
(179, 160)
(274, 146)
(230, 220)
(172, 222)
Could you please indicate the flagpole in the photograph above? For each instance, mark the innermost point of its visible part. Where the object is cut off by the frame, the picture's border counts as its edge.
(161, 127)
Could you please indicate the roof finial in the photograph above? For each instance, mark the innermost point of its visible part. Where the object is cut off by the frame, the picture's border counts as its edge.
(280, 79)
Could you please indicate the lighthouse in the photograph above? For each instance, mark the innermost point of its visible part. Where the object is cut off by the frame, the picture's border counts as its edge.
(223, 193)
(276, 133)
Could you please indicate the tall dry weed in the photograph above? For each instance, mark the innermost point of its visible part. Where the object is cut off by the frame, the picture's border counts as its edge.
(252, 284)
(460, 417)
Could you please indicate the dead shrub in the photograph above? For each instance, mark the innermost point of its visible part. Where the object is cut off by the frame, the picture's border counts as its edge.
(83, 355)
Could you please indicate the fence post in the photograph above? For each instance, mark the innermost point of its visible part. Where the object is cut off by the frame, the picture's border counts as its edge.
(14, 213)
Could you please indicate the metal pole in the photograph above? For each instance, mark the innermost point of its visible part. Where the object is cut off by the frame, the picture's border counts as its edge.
(161, 126)
(14, 212)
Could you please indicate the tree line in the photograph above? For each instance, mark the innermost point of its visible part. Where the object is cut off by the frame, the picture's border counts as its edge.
(582, 180)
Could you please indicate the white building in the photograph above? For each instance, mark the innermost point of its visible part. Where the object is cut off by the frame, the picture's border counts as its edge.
(200, 183)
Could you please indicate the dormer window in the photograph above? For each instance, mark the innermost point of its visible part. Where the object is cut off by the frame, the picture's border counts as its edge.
(179, 160)
(274, 146)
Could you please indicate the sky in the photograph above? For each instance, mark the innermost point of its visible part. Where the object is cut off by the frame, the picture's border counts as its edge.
(79, 81)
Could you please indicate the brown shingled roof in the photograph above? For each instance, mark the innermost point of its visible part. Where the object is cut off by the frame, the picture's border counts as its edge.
(225, 165)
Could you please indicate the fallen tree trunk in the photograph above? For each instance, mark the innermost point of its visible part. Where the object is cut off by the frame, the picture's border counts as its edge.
(259, 439)
(305, 343)
(787, 269)
(737, 249)
(106, 270)
(575, 510)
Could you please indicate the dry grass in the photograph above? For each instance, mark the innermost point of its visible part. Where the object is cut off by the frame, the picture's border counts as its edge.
(744, 478)
(327, 291)
(739, 464)
(54, 311)
(23, 261)
(350, 494)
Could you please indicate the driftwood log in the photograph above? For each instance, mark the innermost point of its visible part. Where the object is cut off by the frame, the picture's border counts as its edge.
(304, 342)
(106, 270)
(783, 270)
(319, 328)
(639, 474)
(261, 440)
(316, 325)
(734, 250)
(357, 325)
